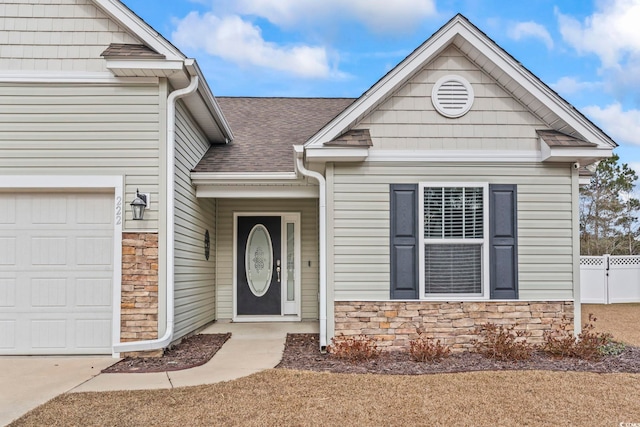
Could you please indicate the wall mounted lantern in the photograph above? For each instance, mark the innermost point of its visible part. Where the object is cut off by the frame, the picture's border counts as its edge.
(138, 205)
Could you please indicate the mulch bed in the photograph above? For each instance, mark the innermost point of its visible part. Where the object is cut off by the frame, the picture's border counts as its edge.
(302, 353)
(193, 351)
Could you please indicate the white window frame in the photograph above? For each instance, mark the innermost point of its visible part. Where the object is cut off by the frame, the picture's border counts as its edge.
(484, 295)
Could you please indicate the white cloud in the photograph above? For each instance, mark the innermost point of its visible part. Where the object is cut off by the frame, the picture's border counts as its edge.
(611, 33)
(569, 85)
(378, 15)
(622, 126)
(531, 29)
(233, 39)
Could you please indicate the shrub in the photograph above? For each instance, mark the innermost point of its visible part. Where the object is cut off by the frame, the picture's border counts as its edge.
(561, 342)
(425, 349)
(354, 348)
(503, 343)
(612, 348)
(588, 345)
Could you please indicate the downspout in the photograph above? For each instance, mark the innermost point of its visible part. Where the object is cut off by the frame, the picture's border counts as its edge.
(299, 154)
(165, 340)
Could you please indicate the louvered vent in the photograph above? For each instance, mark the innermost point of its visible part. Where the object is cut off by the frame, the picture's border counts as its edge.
(452, 96)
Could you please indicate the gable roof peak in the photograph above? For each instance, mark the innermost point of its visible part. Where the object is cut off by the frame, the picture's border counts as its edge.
(461, 32)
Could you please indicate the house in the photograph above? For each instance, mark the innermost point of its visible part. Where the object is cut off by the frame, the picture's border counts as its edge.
(444, 197)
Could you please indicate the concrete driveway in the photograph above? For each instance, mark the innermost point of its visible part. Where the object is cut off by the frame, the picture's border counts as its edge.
(30, 381)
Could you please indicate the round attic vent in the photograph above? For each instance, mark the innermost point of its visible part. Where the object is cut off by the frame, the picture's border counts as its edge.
(452, 96)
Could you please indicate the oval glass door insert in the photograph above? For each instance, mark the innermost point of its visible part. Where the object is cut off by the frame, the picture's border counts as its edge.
(258, 260)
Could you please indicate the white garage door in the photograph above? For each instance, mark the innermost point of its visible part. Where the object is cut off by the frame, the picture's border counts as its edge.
(56, 267)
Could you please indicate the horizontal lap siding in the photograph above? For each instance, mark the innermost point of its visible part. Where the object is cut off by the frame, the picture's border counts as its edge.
(408, 120)
(361, 223)
(64, 129)
(56, 35)
(308, 209)
(194, 276)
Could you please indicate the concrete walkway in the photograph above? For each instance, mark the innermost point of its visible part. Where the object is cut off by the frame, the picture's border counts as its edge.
(253, 347)
(29, 381)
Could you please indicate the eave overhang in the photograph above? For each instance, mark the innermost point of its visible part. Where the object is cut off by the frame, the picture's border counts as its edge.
(558, 147)
(336, 154)
(584, 156)
(231, 185)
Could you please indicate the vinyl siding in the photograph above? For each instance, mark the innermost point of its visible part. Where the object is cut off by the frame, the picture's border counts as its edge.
(74, 129)
(56, 35)
(407, 120)
(308, 209)
(194, 276)
(361, 223)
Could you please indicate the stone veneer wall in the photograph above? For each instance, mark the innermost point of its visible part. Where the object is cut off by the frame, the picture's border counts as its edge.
(139, 303)
(394, 323)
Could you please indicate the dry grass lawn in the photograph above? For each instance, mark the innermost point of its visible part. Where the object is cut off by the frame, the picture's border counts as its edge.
(283, 397)
(621, 320)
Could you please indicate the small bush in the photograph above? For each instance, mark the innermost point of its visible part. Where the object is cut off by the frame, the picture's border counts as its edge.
(503, 343)
(425, 349)
(356, 348)
(561, 342)
(588, 345)
(612, 348)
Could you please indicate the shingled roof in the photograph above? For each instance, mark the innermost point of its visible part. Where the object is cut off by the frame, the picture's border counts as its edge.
(554, 138)
(265, 129)
(122, 50)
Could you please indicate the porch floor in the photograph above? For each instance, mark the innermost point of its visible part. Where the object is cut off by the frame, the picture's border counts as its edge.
(253, 347)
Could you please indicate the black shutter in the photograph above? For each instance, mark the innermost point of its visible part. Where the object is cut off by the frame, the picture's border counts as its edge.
(404, 241)
(503, 241)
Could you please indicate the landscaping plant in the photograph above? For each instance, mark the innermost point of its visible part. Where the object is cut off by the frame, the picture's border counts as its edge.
(588, 345)
(501, 342)
(425, 349)
(355, 348)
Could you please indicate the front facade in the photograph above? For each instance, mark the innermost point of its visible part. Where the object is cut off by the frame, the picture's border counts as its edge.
(445, 197)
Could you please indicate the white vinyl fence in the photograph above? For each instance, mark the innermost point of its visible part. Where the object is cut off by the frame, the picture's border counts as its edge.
(609, 279)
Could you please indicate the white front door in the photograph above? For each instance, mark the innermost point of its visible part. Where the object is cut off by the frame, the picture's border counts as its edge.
(267, 266)
(56, 271)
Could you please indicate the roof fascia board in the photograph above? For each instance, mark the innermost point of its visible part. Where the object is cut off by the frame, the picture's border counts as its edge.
(171, 65)
(144, 31)
(435, 44)
(572, 154)
(333, 154)
(209, 99)
(257, 191)
(200, 178)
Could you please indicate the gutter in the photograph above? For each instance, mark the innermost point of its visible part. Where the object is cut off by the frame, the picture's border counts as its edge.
(299, 156)
(166, 339)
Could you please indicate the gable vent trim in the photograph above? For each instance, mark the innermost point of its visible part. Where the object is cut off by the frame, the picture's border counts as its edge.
(452, 96)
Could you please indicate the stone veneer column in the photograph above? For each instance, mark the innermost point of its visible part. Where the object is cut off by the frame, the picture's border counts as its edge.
(139, 303)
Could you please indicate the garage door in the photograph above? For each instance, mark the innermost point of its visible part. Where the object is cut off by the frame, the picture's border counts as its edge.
(56, 267)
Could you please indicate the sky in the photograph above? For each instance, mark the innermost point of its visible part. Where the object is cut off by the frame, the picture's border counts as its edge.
(586, 50)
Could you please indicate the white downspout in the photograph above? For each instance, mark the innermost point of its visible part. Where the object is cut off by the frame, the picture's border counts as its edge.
(165, 340)
(299, 152)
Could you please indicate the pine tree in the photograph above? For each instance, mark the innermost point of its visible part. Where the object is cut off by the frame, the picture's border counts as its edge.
(609, 211)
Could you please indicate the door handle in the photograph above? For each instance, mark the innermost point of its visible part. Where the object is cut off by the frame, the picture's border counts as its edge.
(278, 269)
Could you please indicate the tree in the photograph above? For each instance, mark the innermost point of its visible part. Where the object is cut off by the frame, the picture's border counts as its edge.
(609, 211)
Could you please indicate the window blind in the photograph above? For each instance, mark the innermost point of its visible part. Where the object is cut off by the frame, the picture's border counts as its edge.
(453, 213)
(452, 268)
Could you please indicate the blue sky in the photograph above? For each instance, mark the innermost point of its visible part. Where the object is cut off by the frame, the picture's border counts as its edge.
(587, 50)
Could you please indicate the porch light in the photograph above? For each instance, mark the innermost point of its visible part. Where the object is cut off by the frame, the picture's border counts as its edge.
(138, 205)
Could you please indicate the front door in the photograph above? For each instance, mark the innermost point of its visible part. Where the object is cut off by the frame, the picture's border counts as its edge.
(259, 265)
(268, 267)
